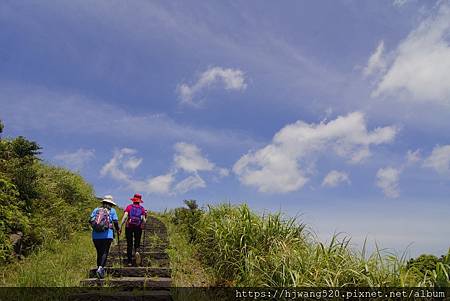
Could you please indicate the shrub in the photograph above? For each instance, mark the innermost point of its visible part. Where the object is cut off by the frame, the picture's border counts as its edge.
(187, 218)
(44, 202)
(429, 266)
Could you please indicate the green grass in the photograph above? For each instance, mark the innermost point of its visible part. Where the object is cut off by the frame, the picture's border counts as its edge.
(57, 264)
(187, 270)
(242, 248)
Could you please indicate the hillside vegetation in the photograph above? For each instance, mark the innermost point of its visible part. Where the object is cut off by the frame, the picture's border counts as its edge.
(241, 248)
(43, 204)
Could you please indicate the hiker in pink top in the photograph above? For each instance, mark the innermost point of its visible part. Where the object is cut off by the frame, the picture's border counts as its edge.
(134, 216)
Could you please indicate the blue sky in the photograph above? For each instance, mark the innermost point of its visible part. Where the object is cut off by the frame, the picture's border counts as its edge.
(334, 110)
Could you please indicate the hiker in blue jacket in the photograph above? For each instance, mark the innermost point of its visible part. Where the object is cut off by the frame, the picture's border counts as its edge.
(102, 220)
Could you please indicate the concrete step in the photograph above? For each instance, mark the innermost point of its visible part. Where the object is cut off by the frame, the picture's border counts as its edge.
(123, 249)
(155, 226)
(152, 235)
(157, 282)
(156, 255)
(135, 295)
(146, 262)
(134, 272)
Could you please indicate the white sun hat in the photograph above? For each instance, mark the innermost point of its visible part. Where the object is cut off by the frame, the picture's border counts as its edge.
(108, 199)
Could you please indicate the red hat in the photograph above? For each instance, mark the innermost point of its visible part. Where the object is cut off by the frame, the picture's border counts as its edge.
(137, 198)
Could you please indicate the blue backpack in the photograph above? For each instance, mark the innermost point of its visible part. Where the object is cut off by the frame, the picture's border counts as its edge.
(135, 216)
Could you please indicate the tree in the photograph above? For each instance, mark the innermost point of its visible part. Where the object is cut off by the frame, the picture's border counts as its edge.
(18, 159)
(25, 149)
(423, 263)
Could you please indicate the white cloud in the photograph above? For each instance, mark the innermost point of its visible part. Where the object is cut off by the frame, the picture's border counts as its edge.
(189, 158)
(376, 61)
(121, 161)
(77, 159)
(124, 162)
(439, 160)
(334, 178)
(282, 166)
(413, 157)
(159, 184)
(232, 79)
(399, 3)
(223, 172)
(388, 180)
(190, 183)
(421, 68)
(132, 163)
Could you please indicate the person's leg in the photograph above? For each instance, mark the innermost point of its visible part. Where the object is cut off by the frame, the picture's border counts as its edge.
(137, 241)
(129, 236)
(98, 247)
(106, 246)
(137, 238)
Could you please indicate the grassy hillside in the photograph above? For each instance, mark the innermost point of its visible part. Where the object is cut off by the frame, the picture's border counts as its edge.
(38, 202)
(43, 218)
(241, 248)
(58, 264)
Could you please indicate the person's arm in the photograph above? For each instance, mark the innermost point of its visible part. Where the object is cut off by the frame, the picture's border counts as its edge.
(143, 217)
(124, 218)
(116, 225)
(92, 217)
(115, 220)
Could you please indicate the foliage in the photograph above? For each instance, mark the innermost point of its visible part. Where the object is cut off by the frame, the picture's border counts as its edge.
(12, 218)
(41, 201)
(430, 266)
(423, 263)
(58, 264)
(246, 249)
(186, 270)
(187, 218)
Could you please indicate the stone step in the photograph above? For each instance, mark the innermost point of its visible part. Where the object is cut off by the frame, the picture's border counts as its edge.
(123, 250)
(135, 295)
(156, 255)
(158, 282)
(146, 262)
(134, 272)
(154, 226)
(154, 235)
(123, 246)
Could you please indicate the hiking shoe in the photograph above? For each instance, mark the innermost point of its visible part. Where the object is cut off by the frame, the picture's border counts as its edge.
(99, 273)
(102, 272)
(138, 258)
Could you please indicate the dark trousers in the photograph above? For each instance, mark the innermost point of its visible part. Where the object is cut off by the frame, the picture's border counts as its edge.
(130, 233)
(102, 247)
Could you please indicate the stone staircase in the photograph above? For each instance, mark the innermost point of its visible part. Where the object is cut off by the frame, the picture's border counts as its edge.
(154, 272)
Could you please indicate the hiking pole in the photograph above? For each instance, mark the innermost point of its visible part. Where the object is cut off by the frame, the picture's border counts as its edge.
(120, 251)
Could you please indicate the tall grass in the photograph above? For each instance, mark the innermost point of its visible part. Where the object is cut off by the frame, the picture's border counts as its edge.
(56, 264)
(187, 271)
(245, 249)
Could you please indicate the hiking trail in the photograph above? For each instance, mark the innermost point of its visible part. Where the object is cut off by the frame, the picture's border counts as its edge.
(154, 273)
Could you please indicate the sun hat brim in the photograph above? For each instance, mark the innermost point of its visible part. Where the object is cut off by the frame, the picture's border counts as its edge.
(108, 201)
(136, 200)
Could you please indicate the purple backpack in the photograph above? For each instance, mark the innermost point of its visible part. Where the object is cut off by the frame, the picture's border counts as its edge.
(135, 216)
